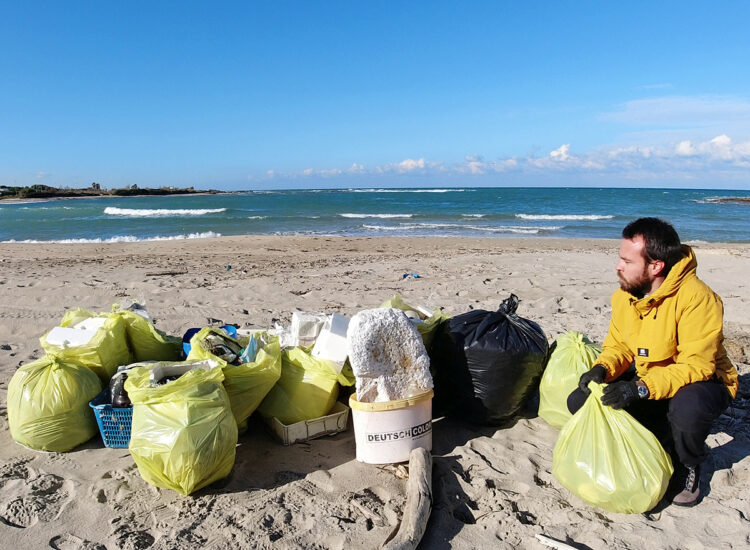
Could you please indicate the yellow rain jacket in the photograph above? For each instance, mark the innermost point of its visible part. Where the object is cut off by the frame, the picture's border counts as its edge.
(675, 335)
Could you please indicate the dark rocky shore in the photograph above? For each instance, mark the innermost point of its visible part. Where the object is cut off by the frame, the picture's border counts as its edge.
(95, 190)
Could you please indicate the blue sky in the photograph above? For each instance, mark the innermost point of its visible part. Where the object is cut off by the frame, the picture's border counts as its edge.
(252, 95)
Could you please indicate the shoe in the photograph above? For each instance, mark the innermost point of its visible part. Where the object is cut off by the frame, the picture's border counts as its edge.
(688, 485)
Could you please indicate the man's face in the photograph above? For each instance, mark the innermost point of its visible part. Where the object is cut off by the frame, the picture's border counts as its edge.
(633, 269)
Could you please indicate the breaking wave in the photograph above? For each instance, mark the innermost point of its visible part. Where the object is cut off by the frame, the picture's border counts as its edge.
(376, 215)
(456, 226)
(457, 190)
(160, 212)
(563, 217)
(123, 239)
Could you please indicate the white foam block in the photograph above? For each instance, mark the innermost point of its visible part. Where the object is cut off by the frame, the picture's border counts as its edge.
(65, 337)
(331, 342)
(92, 323)
(163, 369)
(387, 356)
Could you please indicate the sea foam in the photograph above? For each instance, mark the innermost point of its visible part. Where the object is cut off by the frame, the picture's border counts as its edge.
(373, 190)
(121, 239)
(564, 217)
(160, 212)
(520, 230)
(376, 215)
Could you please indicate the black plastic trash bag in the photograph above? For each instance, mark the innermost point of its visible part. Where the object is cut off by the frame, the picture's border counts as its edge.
(486, 364)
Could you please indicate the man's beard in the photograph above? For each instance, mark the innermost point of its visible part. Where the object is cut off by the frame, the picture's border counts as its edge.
(638, 287)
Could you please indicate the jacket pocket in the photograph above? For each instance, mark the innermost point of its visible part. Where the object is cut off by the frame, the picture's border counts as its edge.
(653, 350)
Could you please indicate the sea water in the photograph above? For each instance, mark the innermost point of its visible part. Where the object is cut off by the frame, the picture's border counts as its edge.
(698, 215)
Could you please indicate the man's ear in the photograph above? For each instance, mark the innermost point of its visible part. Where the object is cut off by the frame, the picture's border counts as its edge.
(657, 267)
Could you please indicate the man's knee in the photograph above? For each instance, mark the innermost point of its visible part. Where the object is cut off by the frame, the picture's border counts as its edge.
(576, 399)
(695, 407)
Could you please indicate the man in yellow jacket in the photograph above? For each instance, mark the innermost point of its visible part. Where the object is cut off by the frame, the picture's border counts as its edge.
(664, 359)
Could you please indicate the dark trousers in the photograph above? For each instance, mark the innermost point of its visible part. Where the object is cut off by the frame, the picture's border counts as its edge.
(680, 423)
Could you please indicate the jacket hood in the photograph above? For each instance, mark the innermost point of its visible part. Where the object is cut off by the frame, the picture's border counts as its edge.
(680, 271)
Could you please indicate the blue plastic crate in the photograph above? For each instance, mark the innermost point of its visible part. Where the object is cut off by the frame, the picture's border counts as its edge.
(114, 423)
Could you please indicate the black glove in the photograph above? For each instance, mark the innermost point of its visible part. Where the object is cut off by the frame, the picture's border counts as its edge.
(619, 395)
(597, 374)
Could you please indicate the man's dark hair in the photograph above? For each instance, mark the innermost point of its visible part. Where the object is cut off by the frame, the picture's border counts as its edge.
(661, 239)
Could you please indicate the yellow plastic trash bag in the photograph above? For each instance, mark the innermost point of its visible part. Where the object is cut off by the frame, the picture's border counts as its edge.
(248, 383)
(183, 435)
(607, 458)
(307, 389)
(148, 343)
(346, 376)
(427, 323)
(573, 355)
(215, 344)
(106, 351)
(48, 405)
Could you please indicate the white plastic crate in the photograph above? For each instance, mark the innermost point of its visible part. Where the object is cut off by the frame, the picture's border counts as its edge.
(332, 423)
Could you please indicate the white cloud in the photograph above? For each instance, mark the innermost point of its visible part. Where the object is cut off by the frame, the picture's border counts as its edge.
(475, 164)
(476, 167)
(685, 149)
(506, 164)
(561, 154)
(331, 172)
(560, 158)
(683, 159)
(719, 149)
(409, 165)
(681, 111)
(631, 151)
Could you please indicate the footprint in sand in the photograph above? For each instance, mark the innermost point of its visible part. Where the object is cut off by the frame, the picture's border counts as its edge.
(71, 542)
(30, 496)
(373, 508)
(125, 492)
(127, 538)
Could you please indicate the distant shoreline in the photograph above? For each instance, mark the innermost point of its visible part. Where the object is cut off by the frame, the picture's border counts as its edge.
(19, 200)
(89, 194)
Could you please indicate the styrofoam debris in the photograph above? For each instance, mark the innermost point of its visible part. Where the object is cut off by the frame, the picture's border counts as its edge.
(331, 342)
(387, 356)
(66, 337)
(165, 369)
(91, 323)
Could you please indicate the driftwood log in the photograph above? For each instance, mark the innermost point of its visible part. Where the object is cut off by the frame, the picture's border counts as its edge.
(418, 503)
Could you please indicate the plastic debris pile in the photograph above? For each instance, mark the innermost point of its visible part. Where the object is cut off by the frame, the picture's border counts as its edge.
(179, 404)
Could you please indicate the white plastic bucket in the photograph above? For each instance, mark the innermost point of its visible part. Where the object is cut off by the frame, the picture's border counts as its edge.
(386, 432)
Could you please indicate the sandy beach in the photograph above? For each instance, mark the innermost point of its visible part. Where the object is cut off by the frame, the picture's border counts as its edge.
(492, 487)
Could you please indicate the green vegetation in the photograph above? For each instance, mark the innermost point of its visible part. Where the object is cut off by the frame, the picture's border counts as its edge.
(45, 191)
